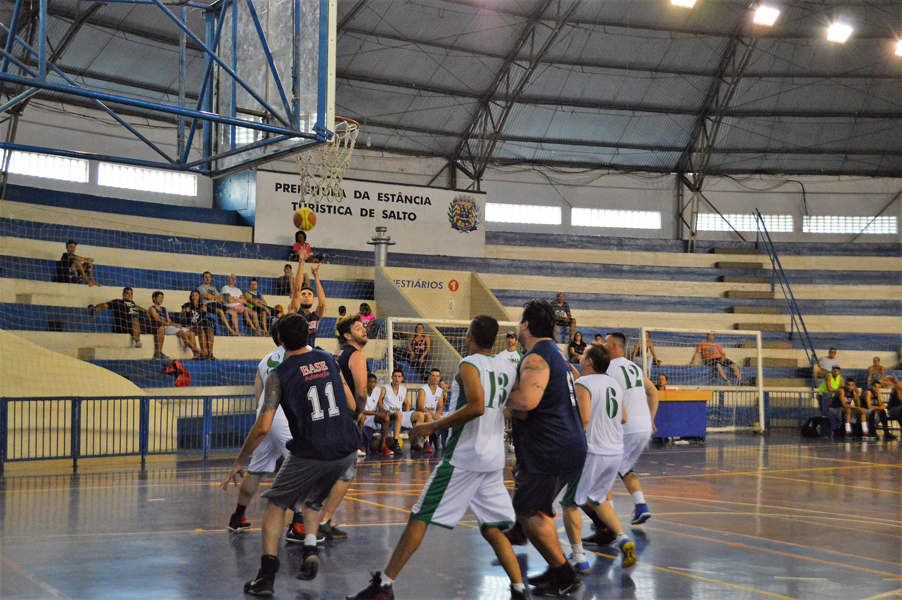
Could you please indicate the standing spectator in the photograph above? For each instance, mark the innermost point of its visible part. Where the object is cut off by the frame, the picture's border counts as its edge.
(832, 383)
(257, 303)
(236, 304)
(209, 295)
(300, 243)
(76, 265)
(876, 372)
(636, 354)
(511, 352)
(284, 285)
(713, 356)
(419, 347)
(194, 314)
(342, 313)
(563, 320)
(576, 348)
(125, 315)
(825, 365)
(159, 317)
(873, 403)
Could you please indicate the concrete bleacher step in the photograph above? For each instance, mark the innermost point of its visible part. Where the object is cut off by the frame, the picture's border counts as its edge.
(755, 310)
(760, 326)
(786, 382)
(743, 295)
(738, 265)
(735, 251)
(744, 279)
(773, 363)
(769, 344)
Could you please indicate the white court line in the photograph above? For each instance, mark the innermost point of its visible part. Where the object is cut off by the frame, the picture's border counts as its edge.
(692, 570)
(802, 578)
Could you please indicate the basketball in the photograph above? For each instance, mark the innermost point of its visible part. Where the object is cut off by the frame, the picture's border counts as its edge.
(304, 219)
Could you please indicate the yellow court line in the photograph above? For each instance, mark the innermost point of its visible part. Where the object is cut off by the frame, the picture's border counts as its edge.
(884, 595)
(732, 585)
(855, 487)
(760, 472)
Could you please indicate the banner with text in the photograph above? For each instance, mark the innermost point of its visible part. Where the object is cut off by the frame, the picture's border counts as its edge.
(420, 220)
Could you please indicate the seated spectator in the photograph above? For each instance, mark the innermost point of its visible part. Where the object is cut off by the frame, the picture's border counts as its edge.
(830, 385)
(300, 243)
(159, 317)
(662, 382)
(876, 372)
(576, 348)
(257, 303)
(368, 318)
(845, 403)
(284, 285)
(194, 315)
(636, 354)
(599, 339)
(125, 315)
(873, 403)
(419, 347)
(713, 355)
(825, 365)
(78, 267)
(894, 406)
(209, 295)
(236, 304)
(564, 322)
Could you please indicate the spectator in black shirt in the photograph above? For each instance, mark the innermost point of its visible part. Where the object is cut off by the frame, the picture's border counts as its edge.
(78, 265)
(564, 323)
(125, 315)
(576, 348)
(194, 316)
(285, 284)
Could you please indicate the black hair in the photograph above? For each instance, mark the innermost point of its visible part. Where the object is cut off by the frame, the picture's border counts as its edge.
(299, 232)
(274, 330)
(397, 370)
(127, 289)
(484, 330)
(286, 267)
(435, 370)
(344, 326)
(600, 357)
(155, 294)
(294, 332)
(253, 280)
(71, 242)
(206, 273)
(370, 376)
(834, 349)
(342, 309)
(540, 318)
(850, 380)
(619, 336)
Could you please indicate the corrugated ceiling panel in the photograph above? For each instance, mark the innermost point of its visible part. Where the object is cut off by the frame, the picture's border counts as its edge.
(551, 153)
(421, 143)
(818, 96)
(774, 135)
(793, 163)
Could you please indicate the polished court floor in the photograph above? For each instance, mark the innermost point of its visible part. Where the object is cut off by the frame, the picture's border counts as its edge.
(742, 516)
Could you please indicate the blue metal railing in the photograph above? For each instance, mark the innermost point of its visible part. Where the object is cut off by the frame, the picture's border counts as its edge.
(74, 428)
(778, 277)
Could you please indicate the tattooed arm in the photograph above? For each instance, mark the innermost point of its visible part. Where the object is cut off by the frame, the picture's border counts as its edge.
(272, 396)
(534, 374)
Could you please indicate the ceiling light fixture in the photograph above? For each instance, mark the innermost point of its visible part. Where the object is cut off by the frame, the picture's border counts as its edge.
(683, 3)
(899, 48)
(766, 15)
(839, 32)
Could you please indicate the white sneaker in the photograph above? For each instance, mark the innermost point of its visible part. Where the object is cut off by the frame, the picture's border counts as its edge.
(136, 343)
(361, 454)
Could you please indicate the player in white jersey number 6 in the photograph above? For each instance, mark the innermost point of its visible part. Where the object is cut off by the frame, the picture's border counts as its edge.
(471, 473)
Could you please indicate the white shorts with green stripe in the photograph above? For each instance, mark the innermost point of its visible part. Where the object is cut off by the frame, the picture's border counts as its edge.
(451, 490)
(599, 476)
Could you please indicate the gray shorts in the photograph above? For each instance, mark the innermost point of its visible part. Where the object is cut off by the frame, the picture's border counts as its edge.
(837, 413)
(307, 481)
(351, 472)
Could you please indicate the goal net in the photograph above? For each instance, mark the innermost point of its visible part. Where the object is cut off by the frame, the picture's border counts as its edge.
(400, 346)
(727, 365)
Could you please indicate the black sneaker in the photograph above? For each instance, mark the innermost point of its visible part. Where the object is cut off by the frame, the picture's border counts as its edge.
(888, 436)
(605, 537)
(329, 531)
(296, 534)
(558, 589)
(237, 523)
(260, 585)
(542, 579)
(515, 595)
(375, 590)
(396, 448)
(310, 566)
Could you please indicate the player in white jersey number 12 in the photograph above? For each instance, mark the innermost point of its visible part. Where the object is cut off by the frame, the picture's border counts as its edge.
(471, 473)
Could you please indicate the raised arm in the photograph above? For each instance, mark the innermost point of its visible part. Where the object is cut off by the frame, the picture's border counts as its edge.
(534, 374)
(295, 303)
(320, 292)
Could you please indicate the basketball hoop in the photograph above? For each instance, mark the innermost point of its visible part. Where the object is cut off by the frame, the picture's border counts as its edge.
(323, 168)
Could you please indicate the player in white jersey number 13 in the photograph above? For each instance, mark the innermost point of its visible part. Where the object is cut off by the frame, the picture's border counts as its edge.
(471, 473)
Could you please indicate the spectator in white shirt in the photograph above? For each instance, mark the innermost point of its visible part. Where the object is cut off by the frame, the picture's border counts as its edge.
(825, 365)
(235, 304)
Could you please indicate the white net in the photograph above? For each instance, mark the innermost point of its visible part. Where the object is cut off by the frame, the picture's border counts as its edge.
(323, 168)
(47, 303)
(439, 344)
(727, 365)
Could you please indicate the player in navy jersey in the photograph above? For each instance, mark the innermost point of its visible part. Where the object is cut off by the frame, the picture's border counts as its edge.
(320, 410)
(302, 298)
(550, 443)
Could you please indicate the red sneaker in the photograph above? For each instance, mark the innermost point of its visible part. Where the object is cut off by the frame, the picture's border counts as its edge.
(295, 533)
(427, 448)
(385, 450)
